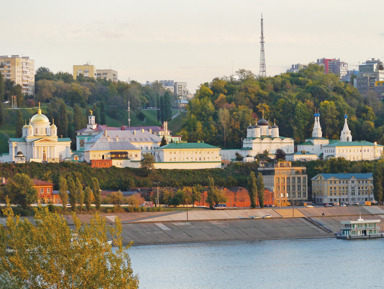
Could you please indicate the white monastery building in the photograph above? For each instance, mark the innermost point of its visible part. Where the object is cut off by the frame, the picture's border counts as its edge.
(343, 148)
(261, 137)
(39, 143)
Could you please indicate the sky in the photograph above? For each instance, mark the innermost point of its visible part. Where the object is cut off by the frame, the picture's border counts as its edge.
(193, 41)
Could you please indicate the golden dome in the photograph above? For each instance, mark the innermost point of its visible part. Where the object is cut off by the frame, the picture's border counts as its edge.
(39, 117)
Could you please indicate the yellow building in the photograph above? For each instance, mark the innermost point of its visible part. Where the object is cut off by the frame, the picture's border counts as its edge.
(21, 70)
(107, 74)
(87, 70)
(342, 188)
(288, 183)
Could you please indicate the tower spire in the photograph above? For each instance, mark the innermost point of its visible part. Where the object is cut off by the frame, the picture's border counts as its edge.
(262, 70)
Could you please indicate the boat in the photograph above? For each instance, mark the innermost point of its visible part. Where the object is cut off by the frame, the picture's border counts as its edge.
(360, 229)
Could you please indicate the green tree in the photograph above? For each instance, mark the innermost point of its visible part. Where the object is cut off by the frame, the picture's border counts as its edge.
(17, 90)
(72, 192)
(260, 189)
(62, 124)
(79, 193)
(215, 196)
(78, 118)
(177, 199)
(163, 142)
(280, 154)
(19, 124)
(88, 198)
(1, 112)
(20, 190)
(2, 88)
(63, 257)
(103, 114)
(378, 180)
(147, 163)
(96, 192)
(63, 191)
(197, 190)
(252, 189)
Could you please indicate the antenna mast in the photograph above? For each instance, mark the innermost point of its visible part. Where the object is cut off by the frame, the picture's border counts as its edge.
(129, 113)
(262, 70)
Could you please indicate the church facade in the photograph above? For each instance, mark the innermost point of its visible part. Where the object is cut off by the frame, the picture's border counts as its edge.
(39, 143)
(261, 137)
(343, 148)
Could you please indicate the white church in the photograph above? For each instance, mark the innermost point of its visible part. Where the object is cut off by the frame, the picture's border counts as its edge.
(39, 143)
(261, 137)
(320, 147)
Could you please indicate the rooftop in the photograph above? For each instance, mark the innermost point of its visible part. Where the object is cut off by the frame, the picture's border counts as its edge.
(346, 176)
(200, 145)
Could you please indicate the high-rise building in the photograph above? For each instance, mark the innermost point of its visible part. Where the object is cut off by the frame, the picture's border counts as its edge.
(333, 66)
(296, 67)
(86, 70)
(107, 74)
(370, 73)
(180, 89)
(21, 70)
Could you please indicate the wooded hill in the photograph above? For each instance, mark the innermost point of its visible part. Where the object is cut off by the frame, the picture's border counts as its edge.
(223, 108)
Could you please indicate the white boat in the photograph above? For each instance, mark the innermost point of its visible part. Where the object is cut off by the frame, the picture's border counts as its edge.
(360, 229)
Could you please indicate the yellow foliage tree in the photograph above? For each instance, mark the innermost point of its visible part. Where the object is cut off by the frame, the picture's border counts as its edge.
(47, 253)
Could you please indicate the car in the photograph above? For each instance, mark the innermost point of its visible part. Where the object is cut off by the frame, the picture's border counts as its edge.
(267, 216)
(343, 205)
(255, 217)
(327, 205)
(309, 206)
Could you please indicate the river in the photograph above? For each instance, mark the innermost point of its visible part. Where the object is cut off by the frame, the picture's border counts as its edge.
(318, 263)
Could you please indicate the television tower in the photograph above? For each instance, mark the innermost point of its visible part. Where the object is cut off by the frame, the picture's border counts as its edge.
(262, 70)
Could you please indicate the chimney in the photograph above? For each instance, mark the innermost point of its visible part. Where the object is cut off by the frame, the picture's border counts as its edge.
(105, 133)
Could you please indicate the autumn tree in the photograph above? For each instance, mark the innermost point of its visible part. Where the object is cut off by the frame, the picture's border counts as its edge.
(79, 193)
(117, 198)
(147, 163)
(197, 190)
(20, 190)
(88, 198)
(72, 192)
(63, 192)
(96, 192)
(252, 189)
(35, 254)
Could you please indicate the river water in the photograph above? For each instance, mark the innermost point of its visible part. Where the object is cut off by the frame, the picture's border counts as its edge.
(285, 264)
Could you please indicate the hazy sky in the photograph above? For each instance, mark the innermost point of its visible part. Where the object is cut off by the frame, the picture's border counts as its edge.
(193, 41)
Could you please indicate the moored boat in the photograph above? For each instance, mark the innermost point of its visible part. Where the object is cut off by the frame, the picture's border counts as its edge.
(360, 229)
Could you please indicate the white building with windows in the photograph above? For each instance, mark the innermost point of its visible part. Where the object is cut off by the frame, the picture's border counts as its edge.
(261, 137)
(39, 143)
(342, 188)
(343, 148)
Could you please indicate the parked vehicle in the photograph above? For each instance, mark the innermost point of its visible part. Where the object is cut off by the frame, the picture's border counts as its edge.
(267, 216)
(255, 217)
(220, 207)
(309, 206)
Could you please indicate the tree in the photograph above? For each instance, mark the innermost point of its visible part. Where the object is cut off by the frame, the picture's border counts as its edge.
(197, 190)
(2, 88)
(63, 257)
(20, 190)
(147, 163)
(63, 191)
(62, 124)
(117, 198)
(79, 193)
(96, 192)
(19, 124)
(1, 112)
(378, 180)
(177, 199)
(252, 189)
(280, 154)
(17, 90)
(163, 142)
(135, 200)
(103, 114)
(215, 196)
(88, 198)
(239, 157)
(72, 192)
(260, 189)
(78, 118)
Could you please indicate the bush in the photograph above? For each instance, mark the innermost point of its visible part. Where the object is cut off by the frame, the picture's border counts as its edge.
(140, 115)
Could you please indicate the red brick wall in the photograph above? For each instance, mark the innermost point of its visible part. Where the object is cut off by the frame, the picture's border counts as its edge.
(238, 198)
(101, 163)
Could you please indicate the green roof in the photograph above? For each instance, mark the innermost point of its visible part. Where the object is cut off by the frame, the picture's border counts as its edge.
(195, 145)
(346, 176)
(351, 143)
(17, 139)
(64, 139)
(317, 138)
(246, 149)
(307, 143)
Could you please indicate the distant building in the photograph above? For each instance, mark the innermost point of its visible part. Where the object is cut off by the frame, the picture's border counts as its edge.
(180, 89)
(370, 73)
(296, 68)
(107, 74)
(261, 137)
(187, 156)
(342, 188)
(86, 70)
(334, 66)
(21, 70)
(39, 143)
(168, 85)
(344, 148)
(289, 184)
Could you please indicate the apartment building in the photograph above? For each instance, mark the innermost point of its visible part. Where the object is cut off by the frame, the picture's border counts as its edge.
(107, 74)
(288, 183)
(21, 70)
(87, 70)
(342, 188)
